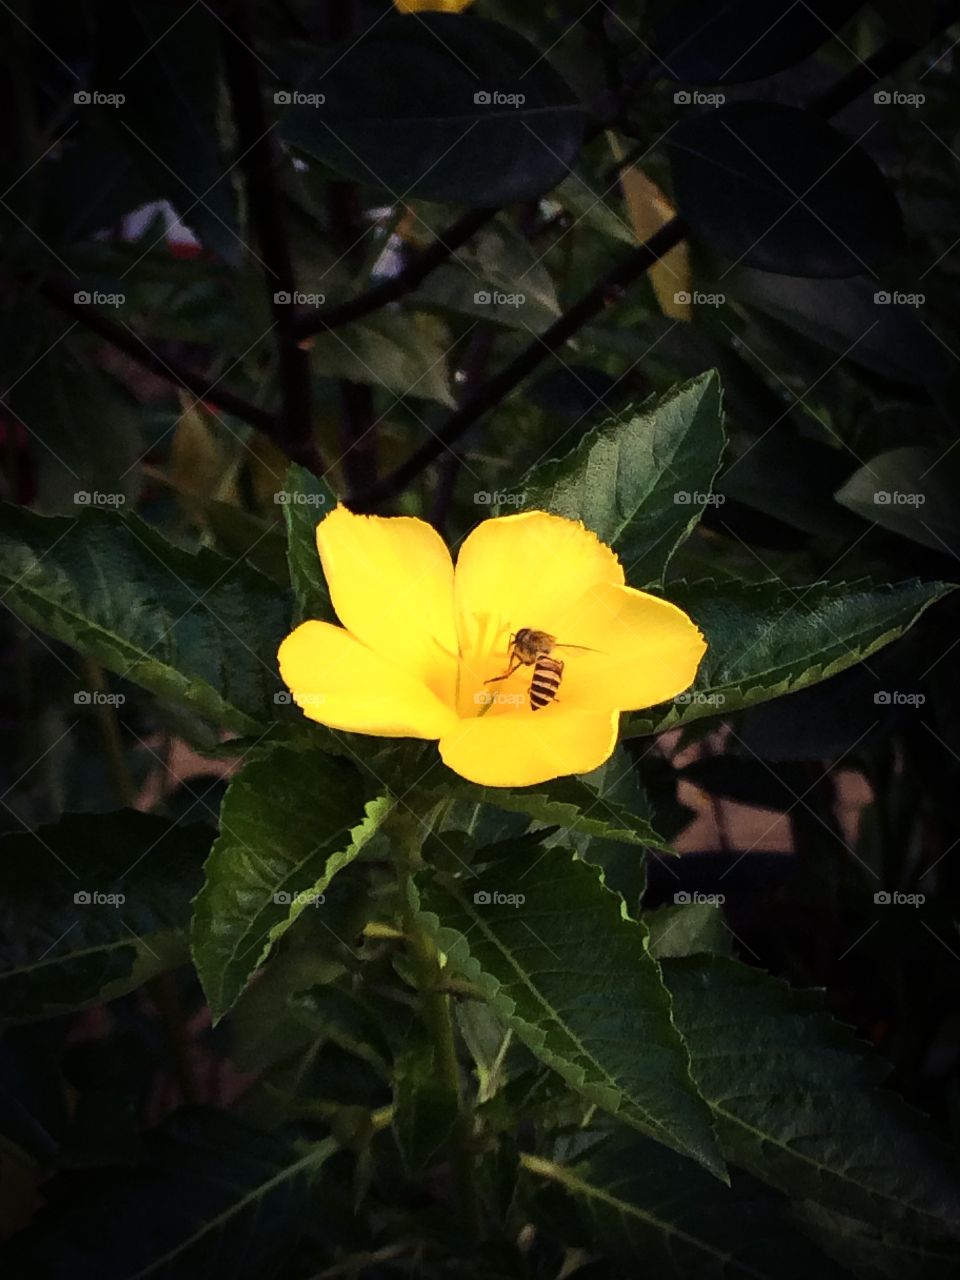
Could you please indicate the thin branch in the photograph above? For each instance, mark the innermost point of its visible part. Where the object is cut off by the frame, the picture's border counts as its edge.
(131, 344)
(408, 278)
(629, 269)
(260, 163)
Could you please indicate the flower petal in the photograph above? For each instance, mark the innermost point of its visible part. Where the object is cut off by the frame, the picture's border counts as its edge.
(529, 747)
(391, 583)
(646, 649)
(519, 571)
(341, 683)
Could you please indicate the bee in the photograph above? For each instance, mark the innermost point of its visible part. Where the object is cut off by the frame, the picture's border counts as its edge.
(530, 648)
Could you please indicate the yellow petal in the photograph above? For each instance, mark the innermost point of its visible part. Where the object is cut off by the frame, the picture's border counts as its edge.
(436, 6)
(391, 583)
(522, 571)
(341, 683)
(647, 650)
(529, 747)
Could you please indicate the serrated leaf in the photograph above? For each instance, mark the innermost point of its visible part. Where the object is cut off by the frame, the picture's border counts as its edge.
(59, 954)
(289, 822)
(196, 629)
(571, 974)
(572, 804)
(766, 639)
(688, 930)
(212, 1196)
(640, 481)
(307, 499)
(639, 1200)
(797, 1099)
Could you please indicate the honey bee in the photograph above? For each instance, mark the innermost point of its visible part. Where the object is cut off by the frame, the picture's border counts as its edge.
(530, 648)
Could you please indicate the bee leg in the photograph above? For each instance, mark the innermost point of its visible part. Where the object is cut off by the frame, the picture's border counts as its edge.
(507, 673)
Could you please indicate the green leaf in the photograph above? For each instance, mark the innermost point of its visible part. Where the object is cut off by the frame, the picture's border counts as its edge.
(289, 822)
(876, 1253)
(797, 1102)
(213, 1197)
(911, 491)
(572, 804)
(195, 629)
(58, 953)
(766, 639)
(307, 499)
(436, 131)
(639, 1200)
(737, 171)
(398, 352)
(689, 930)
(640, 481)
(559, 960)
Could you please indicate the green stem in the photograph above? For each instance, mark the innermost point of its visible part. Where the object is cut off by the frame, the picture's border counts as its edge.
(436, 1012)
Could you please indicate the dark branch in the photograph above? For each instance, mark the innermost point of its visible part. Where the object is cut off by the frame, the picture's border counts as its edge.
(132, 345)
(407, 279)
(495, 389)
(260, 162)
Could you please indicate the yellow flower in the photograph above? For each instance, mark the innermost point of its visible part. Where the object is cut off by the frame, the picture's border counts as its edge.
(421, 642)
(434, 6)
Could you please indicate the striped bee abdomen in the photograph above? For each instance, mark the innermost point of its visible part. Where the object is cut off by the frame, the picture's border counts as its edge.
(546, 681)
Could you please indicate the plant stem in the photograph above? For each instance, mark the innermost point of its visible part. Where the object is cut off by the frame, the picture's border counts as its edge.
(435, 1008)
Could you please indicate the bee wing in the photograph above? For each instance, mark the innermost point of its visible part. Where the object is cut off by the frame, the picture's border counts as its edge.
(584, 647)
